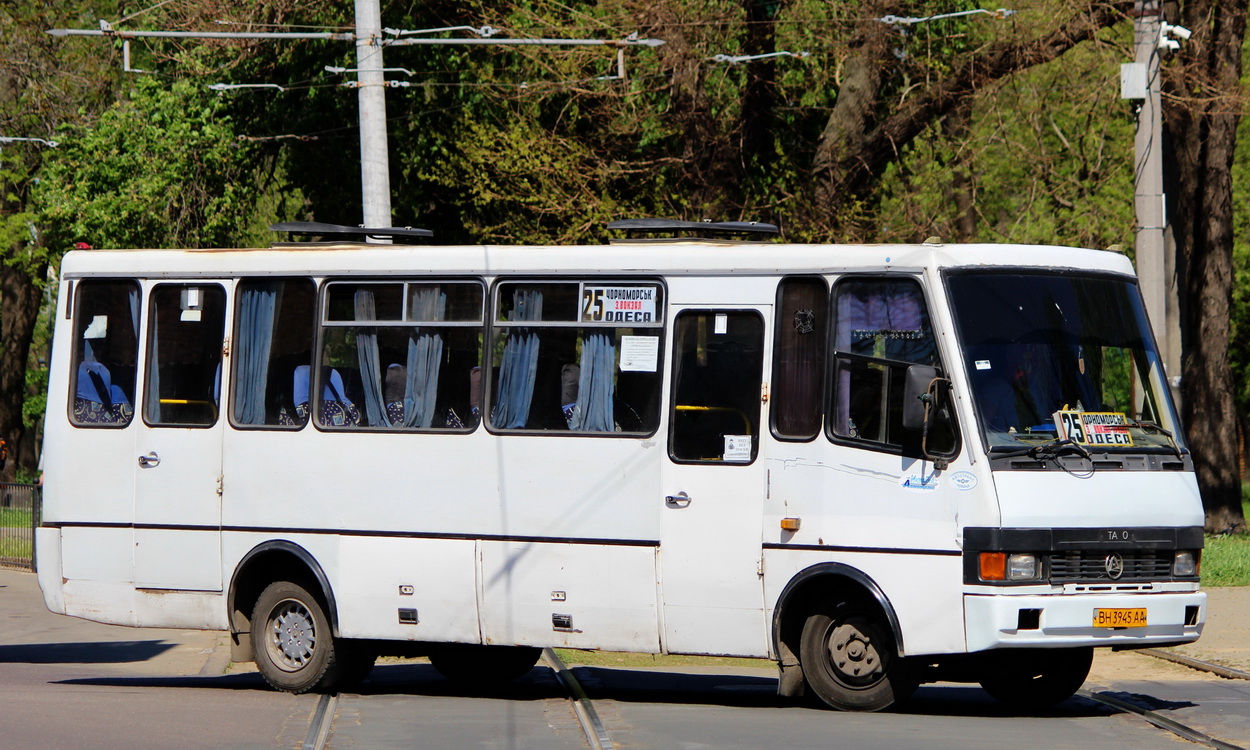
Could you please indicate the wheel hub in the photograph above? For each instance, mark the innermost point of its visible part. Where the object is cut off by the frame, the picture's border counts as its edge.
(293, 635)
(853, 653)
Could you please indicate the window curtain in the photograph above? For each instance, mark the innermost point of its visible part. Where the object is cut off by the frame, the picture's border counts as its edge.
(425, 357)
(596, 386)
(152, 403)
(258, 306)
(368, 360)
(518, 369)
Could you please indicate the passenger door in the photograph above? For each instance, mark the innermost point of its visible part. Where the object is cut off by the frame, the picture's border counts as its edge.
(177, 518)
(714, 486)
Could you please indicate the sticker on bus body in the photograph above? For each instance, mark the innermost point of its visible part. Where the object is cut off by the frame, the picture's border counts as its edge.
(917, 482)
(963, 480)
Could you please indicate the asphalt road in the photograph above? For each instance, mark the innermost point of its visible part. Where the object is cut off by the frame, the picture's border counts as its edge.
(67, 683)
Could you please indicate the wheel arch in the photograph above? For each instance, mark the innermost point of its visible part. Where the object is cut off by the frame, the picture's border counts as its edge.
(275, 560)
(820, 582)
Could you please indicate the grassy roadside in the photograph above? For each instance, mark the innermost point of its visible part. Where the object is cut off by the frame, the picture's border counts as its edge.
(15, 533)
(1226, 558)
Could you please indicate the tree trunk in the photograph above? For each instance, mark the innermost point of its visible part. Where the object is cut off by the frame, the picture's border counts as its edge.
(1204, 137)
(19, 309)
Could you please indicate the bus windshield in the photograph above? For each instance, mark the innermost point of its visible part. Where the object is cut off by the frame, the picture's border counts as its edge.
(1055, 357)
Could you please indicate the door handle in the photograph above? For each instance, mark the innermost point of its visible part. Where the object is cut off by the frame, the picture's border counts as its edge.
(680, 500)
(150, 461)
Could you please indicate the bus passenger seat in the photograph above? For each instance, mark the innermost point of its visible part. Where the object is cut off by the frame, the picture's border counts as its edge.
(93, 401)
(393, 393)
(336, 409)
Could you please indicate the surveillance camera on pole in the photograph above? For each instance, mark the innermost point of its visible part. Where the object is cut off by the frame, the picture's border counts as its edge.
(1171, 45)
(1180, 31)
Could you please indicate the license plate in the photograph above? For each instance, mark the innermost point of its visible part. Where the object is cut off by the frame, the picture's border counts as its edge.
(1120, 618)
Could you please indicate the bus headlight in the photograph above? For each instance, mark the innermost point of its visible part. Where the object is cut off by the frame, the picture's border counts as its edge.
(1023, 567)
(1185, 564)
(1016, 566)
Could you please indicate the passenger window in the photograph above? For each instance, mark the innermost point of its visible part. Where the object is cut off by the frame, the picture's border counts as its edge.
(799, 357)
(577, 356)
(717, 378)
(882, 327)
(273, 342)
(399, 355)
(186, 330)
(106, 353)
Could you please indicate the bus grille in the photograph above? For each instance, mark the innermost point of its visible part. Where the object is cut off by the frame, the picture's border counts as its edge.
(1090, 565)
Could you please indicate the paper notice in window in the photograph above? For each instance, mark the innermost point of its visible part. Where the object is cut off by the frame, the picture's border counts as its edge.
(737, 448)
(98, 328)
(640, 353)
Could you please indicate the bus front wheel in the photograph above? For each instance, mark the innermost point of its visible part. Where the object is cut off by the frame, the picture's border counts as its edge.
(850, 660)
(294, 649)
(1037, 678)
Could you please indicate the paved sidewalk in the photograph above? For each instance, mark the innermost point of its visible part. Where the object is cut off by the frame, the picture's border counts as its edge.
(30, 631)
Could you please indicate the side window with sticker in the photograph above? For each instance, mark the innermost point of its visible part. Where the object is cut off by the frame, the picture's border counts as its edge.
(881, 328)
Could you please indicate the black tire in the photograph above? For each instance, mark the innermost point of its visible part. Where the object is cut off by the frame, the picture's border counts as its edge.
(470, 664)
(291, 640)
(850, 659)
(1031, 679)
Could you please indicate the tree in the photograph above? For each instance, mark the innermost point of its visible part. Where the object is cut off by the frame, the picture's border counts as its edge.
(41, 86)
(160, 168)
(1201, 114)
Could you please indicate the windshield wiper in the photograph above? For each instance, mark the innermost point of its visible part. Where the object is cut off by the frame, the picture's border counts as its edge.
(1044, 451)
(1176, 448)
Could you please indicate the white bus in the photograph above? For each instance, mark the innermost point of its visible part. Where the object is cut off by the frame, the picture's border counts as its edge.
(876, 465)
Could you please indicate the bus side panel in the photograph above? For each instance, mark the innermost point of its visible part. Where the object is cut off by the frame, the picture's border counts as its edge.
(199, 610)
(48, 542)
(96, 554)
(569, 595)
(381, 577)
(924, 590)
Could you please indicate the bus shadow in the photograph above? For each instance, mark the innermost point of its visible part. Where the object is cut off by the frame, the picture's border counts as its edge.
(643, 686)
(249, 681)
(101, 652)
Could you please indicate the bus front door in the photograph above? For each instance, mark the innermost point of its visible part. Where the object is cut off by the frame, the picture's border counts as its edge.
(710, 537)
(178, 476)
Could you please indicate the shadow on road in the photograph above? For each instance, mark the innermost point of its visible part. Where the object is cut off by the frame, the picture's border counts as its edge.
(103, 652)
(600, 683)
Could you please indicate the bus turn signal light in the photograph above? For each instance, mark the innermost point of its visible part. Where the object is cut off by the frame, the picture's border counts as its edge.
(993, 566)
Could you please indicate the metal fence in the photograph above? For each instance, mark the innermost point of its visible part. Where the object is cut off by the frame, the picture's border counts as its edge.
(20, 510)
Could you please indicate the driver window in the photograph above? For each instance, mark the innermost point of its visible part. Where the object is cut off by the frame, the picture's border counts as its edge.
(881, 328)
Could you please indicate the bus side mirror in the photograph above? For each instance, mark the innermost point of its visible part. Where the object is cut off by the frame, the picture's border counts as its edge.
(916, 395)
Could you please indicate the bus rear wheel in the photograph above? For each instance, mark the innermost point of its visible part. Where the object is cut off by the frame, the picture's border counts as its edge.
(850, 660)
(1037, 678)
(294, 649)
(470, 664)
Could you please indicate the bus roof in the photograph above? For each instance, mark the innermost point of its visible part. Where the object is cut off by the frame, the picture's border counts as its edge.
(667, 257)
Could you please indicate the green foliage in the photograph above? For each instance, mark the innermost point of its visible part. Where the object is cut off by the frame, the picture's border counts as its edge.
(160, 168)
(1047, 159)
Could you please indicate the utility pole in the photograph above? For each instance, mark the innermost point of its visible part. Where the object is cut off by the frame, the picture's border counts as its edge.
(375, 178)
(370, 81)
(1156, 257)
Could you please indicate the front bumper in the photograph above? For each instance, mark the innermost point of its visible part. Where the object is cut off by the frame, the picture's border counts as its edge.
(1065, 620)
